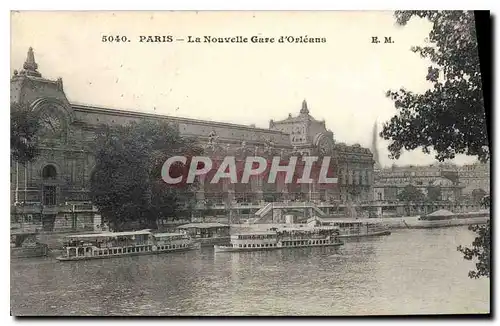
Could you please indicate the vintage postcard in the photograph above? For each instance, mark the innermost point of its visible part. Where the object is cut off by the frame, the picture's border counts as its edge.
(246, 163)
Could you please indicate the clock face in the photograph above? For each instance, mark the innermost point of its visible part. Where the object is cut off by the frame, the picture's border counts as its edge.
(51, 124)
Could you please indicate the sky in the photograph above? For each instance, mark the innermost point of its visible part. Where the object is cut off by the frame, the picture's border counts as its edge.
(344, 79)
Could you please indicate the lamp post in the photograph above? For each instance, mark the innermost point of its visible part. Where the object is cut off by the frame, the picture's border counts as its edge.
(73, 217)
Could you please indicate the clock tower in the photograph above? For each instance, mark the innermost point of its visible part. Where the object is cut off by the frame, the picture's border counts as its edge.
(45, 97)
(46, 180)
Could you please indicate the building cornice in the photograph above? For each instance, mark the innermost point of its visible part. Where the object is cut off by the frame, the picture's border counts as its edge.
(135, 114)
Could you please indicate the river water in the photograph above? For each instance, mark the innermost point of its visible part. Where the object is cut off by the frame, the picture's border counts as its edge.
(408, 272)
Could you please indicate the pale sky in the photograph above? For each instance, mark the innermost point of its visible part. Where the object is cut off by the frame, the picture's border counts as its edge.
(343, 80)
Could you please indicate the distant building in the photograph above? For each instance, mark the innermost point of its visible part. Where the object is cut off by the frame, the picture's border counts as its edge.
(454, 181)
(475, 176)
(389, 182)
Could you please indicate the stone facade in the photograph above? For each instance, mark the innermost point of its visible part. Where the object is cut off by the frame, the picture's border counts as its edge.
(57, 183)
(475, 176)
(389, 182)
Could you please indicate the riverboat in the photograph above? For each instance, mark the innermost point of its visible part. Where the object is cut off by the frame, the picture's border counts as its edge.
(352, 228)
(207, 234)
(276, 238)
(26, 245)
(444, 218)
(116, 244)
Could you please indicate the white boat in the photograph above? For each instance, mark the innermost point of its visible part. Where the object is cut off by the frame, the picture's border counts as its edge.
(282, 238)
(352, 228)
(116, 244)
(444, 218)
(207, 234)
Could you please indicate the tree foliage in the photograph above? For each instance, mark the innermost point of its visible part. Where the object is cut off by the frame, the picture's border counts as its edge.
(433, 193)
(410, 193)
(481, 246)
(480, 251)
(485, 201)
(450, 116)
(126, 184)
(478, 195)
(24, 125)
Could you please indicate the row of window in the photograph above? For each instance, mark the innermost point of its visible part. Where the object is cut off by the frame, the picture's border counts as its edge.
(182, 245)
(306, 242)
(124, 250)
(260, 236)
(138, 249)
(285, 243)
(253, 245)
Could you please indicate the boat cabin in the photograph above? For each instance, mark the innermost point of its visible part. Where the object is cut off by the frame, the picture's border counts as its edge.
(206, 230)
(263, 239)
(108, 243)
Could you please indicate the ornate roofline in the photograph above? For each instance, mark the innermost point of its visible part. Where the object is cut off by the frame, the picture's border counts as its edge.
(136, 114)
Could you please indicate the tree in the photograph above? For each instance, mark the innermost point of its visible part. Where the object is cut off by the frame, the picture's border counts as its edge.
(450, 116)
(126, 185)
(410, 193)
(481, 246)
(480, 251)
(485, 201)
(24, 125)
(433, 193)
(478, 195)
(209, 209)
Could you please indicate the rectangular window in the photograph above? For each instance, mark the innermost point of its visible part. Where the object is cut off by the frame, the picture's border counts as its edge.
(49, 195)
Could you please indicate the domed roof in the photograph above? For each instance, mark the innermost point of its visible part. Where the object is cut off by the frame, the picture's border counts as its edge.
(443, 182)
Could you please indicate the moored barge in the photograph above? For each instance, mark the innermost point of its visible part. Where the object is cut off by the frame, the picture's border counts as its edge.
(116, 244)
(207, 234)
(282, 238)
(26, 245)
(444, 218)
(352, 228)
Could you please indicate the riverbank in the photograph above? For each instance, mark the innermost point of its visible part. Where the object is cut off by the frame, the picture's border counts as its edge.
(55, 240)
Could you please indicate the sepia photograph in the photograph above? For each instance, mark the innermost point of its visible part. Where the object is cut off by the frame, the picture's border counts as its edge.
(250, 163)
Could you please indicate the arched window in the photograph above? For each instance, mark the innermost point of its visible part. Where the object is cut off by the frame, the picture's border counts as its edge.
(49, 172)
